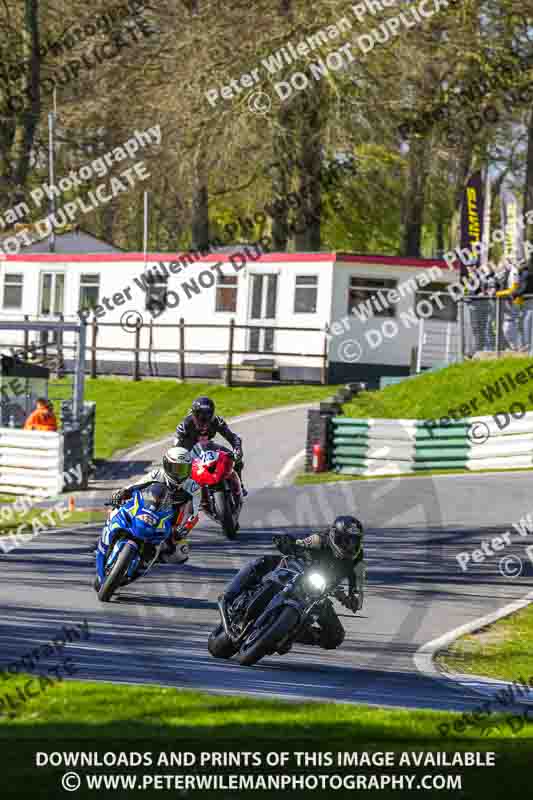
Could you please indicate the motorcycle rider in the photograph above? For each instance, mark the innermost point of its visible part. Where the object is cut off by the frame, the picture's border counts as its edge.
(183, 491)
(201, 421)
(338, 550)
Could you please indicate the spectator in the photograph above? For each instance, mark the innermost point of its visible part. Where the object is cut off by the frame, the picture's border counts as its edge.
(490, 285)
(43, 418)
(524, 297)
(476, 310)
(511, 307)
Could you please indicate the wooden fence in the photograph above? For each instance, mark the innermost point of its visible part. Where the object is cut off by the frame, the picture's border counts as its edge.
(54, 353)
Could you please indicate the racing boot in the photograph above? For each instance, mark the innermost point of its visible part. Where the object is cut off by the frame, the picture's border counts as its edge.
(308, 635)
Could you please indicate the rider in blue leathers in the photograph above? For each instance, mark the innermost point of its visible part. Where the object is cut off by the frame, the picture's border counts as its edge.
(183, 491)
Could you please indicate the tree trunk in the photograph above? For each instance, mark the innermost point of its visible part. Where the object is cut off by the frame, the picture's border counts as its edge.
(18, 134)
(281, 178)
(307, 235)
(528, 188)
(414, 201)
(200, 203)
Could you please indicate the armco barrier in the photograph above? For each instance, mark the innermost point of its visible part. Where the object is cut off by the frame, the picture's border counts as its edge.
(31, 462)
(385, 446)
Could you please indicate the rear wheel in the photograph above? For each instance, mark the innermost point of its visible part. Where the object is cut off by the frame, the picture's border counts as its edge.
(225, 515)
(220, 645)
(116, 575)
(268, 638)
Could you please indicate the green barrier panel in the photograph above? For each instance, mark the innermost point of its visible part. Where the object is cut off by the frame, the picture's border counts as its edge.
(459, 432)
(427, 453)
(418, 467)
(442, 455)
(346, 422)
(350, 451)
(338, 439)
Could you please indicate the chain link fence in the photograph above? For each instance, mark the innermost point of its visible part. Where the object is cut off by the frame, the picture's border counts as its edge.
(495, 325)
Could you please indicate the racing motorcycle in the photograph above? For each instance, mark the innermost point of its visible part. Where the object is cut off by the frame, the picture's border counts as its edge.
(213, 470)
(267, 619)
(136, 534)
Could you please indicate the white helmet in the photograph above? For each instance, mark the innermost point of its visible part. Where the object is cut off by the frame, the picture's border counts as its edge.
(177, 465)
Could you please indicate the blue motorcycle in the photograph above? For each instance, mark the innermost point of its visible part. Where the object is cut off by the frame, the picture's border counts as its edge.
(133, 538)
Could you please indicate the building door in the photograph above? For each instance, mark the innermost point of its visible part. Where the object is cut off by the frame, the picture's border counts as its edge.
(263, 305)
(52, 300)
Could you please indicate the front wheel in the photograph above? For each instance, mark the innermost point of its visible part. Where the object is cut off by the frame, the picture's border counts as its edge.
(225, 515)
(267, 639)
(116, 574)
(220, 645)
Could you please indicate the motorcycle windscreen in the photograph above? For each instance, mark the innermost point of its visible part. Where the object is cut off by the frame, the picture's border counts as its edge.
(152, 518)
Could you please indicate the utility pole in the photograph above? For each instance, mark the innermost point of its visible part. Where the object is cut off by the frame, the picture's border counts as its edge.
(51, 171)
(484, 259)
(145, 229)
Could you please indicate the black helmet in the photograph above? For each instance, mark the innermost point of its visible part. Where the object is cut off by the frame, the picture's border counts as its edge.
(203, 411)
(345, 537)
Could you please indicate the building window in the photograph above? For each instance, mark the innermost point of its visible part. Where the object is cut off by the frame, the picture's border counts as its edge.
(448, 312)
(368, 296)
(226, 296)
(305, 294)
(13, 289)
(89, 291)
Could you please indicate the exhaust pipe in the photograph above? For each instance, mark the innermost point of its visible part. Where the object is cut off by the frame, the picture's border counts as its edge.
(224, 618)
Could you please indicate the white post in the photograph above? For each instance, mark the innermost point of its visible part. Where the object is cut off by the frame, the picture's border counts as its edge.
(484, 259)
(51, 175)
(420, 343)
(145, 232)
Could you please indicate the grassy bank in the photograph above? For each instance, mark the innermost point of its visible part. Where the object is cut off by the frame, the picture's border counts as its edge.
(14, 522)
(503, 650)
(101, 718)
(128, 413)
(311, 478)
(132, 711)
(435, 394)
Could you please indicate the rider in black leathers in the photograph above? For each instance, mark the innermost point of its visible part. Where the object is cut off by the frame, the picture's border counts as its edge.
(203, 422)
(338, 550)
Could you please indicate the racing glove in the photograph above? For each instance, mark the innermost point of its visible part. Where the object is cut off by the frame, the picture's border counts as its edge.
(118, 497)
(184, 529)
(284, 543)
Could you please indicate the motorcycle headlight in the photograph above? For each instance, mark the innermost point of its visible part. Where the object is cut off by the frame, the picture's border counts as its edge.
(316, 581)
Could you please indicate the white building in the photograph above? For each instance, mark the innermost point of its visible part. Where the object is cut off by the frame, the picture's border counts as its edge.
(326, 292)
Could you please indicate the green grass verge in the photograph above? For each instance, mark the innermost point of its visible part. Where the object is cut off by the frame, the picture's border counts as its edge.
(12, 524)
(432, 395)
(503, 650)
(331, 477)
(132, 711)
(102, 718)
(92, 717)
(128, 413)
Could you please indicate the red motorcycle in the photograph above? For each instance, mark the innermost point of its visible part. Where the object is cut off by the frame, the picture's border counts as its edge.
(213, 470)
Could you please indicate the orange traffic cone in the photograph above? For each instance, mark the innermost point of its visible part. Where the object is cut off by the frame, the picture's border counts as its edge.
(71, 503)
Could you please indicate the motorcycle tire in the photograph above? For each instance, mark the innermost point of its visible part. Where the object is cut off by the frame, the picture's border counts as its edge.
(220, 645)
(268, 640)
(224, 515)
(116, 575)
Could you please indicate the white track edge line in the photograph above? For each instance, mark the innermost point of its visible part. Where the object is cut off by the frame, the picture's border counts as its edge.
(424, 656)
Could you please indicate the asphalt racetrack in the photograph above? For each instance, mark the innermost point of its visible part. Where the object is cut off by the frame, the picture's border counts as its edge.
(155, 631)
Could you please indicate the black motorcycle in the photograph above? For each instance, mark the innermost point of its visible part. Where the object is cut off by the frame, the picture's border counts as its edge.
(267, 619)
